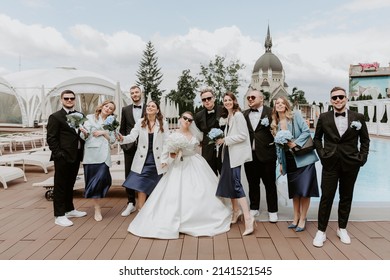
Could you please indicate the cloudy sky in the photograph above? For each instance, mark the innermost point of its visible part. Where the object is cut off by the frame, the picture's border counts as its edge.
(316, 41)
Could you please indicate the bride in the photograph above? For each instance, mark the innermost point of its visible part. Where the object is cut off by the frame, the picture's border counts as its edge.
(184, 200)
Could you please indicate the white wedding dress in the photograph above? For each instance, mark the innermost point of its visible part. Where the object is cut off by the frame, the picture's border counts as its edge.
(184, 201)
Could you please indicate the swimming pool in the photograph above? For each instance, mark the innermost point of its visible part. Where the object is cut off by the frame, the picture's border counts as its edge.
(373, 182)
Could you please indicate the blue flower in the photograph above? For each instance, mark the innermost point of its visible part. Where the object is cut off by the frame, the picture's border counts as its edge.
(283, 136)
(75, 119)
(215, 134)
(110, 123)
(356, 124)
(265, 121)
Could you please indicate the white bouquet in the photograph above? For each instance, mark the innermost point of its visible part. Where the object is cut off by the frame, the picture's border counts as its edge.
(175, 144)
(75, 119)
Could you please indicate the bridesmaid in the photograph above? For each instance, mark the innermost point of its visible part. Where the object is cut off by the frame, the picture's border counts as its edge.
(147, 169)
(97, 154)
(236, 151)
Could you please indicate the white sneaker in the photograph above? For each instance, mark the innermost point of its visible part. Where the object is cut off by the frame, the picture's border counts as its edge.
(63, 221)
(343, 234)
(319, 239)
(129, 209)
(75, 214)
(273, 217)
(254, 213)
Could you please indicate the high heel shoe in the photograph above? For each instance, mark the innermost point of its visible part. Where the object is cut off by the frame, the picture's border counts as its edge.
(292, 225)
(300, 229)
(249, 226)
(236, 215)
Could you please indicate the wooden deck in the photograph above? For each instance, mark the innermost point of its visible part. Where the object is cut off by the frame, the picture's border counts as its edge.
(28, 232)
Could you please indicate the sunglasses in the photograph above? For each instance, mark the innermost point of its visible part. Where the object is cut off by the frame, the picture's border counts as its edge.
(207, 98)
(187, 119)
(341, 97)
(251, 97)
(69, 98)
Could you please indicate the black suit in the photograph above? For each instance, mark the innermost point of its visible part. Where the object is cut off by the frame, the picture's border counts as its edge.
(341, 159)
(205, 122)
(263, 165)
(67, 152)
(127, 124)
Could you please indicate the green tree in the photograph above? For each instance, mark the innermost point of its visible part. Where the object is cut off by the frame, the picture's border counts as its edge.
(222, 76)
(297, 97)
(186, 92)
(149, 74)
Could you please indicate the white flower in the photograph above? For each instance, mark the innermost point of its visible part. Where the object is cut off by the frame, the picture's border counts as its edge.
(176, 142)
(265, 121)
(356, 124)
(75, 119)
(283, 136)
(222, 121)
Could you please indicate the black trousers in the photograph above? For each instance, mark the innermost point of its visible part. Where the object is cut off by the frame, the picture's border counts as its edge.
(129, 157)
(65, 174)
(345, 179)
(255, 171)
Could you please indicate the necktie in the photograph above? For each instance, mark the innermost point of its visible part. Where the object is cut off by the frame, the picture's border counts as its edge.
(254, 110)
(210, 112)
(71, 112)
(137, 106)
(340, 114)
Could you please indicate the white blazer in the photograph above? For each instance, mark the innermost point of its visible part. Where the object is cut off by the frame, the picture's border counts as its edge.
(237, 141)
(141, 133)
(96, 149)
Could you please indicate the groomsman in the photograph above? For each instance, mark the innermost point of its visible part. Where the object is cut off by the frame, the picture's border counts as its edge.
(67, 152)
(263, 165)
(205, 120)
(337, 137)
(130, 115)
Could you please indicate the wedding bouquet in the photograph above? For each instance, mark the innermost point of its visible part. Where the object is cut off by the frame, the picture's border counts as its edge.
(110, 123)
(175, 144)
(215, 134)
(75, 119)
(282, 137)
(356, 124)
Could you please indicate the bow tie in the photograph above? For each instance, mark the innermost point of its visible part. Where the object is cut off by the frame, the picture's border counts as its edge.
(339, 114)
(71, 112)
(254, 110)
(137, 106)
(210, 112)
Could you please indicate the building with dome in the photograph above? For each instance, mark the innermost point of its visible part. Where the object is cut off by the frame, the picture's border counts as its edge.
(268, 74)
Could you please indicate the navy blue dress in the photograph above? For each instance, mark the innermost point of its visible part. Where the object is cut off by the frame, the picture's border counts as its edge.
(97, 180)
(301, 181)
(147, 180)
(229, 184)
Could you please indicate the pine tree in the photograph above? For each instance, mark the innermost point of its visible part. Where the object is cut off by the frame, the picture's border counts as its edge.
(149, 74)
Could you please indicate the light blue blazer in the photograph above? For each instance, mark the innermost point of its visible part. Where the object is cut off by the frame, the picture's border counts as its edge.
(301, 133)
(96, 149)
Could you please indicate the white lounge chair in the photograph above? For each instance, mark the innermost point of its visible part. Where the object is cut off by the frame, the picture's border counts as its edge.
(8, 173)
(39, 158)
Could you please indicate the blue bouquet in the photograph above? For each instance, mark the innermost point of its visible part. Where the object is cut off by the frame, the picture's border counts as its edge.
(282, 137)
(215, 134)
(110, 123)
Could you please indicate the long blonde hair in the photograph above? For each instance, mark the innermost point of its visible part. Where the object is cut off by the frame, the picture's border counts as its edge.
(100, 107)
(275, 115)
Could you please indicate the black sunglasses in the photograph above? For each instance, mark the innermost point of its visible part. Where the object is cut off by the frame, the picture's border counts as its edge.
(207, 98)
(341, 97)
(69, 98)
(187, 119)
(251, 97)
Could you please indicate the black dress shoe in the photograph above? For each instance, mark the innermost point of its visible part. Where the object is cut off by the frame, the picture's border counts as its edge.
(292, 226)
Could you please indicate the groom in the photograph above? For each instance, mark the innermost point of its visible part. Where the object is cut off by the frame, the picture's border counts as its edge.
(341, 158)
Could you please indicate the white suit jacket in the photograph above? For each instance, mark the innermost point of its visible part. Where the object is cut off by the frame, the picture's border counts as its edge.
(141, 133)
(237, 141)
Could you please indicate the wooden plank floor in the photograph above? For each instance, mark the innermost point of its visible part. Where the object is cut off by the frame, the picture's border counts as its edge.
(28, 232)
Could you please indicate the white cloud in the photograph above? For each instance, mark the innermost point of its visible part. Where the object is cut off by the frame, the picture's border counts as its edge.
(364, 5)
